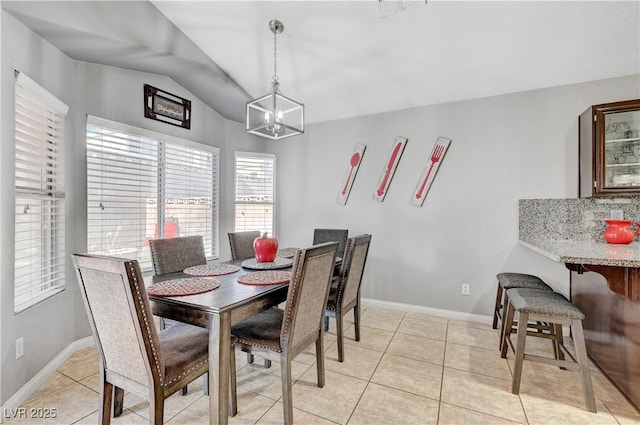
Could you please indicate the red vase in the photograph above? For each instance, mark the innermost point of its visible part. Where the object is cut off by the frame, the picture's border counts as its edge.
(620, 232)
(265, 248)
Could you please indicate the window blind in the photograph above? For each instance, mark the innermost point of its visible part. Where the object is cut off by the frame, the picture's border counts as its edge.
(254, 192)
(144, 185)
(39, 194)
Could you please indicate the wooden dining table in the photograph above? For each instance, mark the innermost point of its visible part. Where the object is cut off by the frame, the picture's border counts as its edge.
(217, 310)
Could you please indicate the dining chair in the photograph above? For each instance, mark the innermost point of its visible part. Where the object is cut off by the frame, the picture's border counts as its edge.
(176, 254)
(171, 255)
(332, 235)
(133, 355)
(346, 295)
(285, 333)
(241, 244)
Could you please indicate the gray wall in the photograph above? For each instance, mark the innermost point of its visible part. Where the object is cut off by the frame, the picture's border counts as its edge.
(112, 93)
(522, 145)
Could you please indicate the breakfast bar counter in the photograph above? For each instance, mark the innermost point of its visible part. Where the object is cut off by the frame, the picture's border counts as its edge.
(604, 282)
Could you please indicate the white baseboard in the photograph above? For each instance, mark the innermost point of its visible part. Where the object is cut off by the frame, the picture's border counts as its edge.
(448, 314)
(34, 383)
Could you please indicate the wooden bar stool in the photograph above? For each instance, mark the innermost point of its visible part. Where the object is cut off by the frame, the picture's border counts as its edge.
(553, 308)
(507, 281)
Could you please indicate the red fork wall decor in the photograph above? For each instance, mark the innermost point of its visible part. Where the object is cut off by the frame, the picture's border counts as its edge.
(350, 175)
(429, 172)
(389, 168)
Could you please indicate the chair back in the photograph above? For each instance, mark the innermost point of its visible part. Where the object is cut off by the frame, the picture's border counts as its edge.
(120, 316)
(352, 269)
(308, 292)
(241, 244)
(176, 254)
(332, 235)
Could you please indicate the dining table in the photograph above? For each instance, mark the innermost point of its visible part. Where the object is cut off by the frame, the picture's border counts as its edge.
(230, 303)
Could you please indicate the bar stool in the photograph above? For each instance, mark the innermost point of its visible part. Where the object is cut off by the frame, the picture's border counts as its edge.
(553, 308)
(512, 280)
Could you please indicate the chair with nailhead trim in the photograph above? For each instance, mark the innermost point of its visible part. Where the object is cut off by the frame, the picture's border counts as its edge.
(133, 355)
(286, 333)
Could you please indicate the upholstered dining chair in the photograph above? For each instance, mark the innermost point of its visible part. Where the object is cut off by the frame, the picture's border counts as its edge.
(176, 254)
(346, 295)
(286, 333)
(241, 244)
(332, 235)
(133, 355)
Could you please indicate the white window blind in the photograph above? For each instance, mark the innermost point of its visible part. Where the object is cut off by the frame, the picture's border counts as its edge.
(255, 192)
(143, 185)
(39, 193)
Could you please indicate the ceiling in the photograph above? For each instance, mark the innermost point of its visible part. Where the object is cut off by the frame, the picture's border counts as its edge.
(341, 58)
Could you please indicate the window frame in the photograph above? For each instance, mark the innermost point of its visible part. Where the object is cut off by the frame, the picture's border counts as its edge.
(39, 136)
(246, 154)
(161, 141)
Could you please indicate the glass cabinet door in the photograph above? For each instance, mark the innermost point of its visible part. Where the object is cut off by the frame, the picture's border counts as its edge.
(621, 147)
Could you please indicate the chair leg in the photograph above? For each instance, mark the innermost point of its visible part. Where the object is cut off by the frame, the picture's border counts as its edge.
(583, 360)
(287, 396)
(118, 401)
(326, 323)
(356, 319)
(205, 381)
(184, 390)
(320, 360)
(496, 309)
(340, 336)
(507, 324)
(107, 399)
(156, 410)
(249, 358)
(557, 342)
(267, 363)
(503, 327)
(519, 360)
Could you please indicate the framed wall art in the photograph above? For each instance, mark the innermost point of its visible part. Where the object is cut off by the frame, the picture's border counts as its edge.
(429, 171)
(350, 175)
(166, 107)
(389, 168)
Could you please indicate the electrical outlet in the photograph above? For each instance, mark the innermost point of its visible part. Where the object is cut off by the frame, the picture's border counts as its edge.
(617, 215)
(19, 348)
(465, 289)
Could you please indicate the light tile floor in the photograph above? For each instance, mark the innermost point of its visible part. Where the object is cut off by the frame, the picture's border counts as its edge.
(408, 368)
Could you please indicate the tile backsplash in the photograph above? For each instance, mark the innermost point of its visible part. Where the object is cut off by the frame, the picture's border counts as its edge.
(579, 219)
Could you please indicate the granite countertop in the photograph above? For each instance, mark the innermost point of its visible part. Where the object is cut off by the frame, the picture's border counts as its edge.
(586, 252)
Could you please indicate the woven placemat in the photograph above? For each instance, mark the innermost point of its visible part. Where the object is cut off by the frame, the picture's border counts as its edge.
(266, 277)
(211, 270)
(279, 263)
(183, 286)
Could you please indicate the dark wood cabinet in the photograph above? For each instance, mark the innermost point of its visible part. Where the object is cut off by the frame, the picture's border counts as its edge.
(610, 149)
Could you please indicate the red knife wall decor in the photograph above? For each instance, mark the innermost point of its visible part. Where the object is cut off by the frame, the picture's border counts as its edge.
(429, 171)
(350, 175)
(389, 168)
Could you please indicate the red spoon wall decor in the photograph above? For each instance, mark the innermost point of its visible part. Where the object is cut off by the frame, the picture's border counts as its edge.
(350, 175)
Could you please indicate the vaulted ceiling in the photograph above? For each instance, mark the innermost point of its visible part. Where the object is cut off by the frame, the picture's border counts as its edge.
(341, 58)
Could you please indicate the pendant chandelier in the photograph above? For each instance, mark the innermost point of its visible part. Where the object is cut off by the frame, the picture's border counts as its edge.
(273, 115)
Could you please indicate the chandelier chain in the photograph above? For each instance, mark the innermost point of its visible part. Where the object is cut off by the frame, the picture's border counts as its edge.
(275, 56)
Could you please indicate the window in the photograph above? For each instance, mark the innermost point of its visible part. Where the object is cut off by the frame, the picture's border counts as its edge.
(144, 185)
(255, 192)
(39, 193)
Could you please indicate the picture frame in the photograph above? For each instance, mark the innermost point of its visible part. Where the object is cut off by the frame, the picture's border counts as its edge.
(429, 172)
(163, 106)
(389, 168)
(355, 159)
